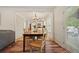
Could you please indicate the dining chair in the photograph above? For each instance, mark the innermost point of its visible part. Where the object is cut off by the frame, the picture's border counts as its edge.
(39, 44)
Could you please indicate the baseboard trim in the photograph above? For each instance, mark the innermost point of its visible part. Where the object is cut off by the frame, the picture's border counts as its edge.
(62, 45)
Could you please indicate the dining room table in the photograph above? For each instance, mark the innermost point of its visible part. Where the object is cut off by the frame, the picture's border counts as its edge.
(31, 34)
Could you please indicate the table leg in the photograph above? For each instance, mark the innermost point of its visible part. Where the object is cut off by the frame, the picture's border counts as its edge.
(23, 43)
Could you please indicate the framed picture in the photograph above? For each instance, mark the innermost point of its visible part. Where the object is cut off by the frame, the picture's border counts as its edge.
(40, 24)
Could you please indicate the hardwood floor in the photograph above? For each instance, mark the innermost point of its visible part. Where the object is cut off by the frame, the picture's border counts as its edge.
(51, 47)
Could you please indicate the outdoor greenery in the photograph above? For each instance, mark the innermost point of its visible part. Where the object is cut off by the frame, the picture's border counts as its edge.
(72, 20)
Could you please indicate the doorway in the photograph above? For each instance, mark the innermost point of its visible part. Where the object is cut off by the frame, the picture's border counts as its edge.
(27, 16)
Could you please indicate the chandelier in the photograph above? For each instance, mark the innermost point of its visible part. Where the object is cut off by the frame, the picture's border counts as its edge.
(35, 17)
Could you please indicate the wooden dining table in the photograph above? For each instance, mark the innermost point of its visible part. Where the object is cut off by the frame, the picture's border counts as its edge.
(30, 34)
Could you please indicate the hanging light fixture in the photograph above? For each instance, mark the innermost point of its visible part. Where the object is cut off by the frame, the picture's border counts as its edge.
(35, 15)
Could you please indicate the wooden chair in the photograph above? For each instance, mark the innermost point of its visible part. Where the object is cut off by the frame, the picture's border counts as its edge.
(40, 44)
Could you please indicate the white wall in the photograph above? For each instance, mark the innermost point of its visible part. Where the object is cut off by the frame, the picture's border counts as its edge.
(7, 19)
(59, 31)
(19, 24)
(49, 25)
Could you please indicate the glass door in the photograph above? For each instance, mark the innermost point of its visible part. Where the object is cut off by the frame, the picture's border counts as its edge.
(72, 28)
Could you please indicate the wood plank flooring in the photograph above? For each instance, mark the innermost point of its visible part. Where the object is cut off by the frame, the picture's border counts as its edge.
(51, 47)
